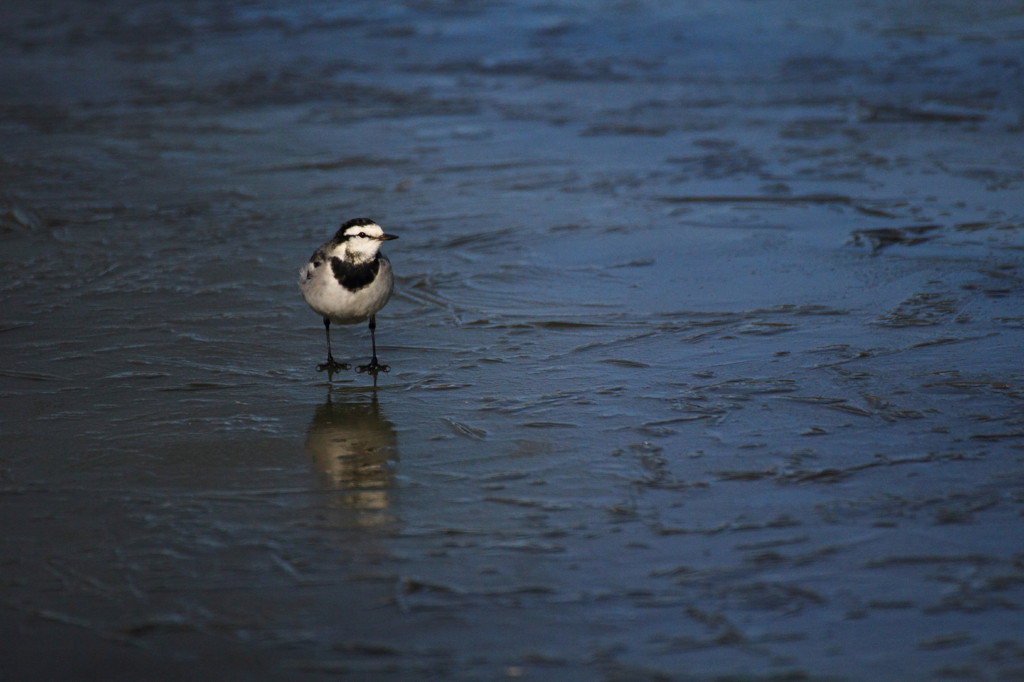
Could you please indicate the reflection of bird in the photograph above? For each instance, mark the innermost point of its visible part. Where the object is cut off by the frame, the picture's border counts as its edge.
(347, 280)
(353, 448)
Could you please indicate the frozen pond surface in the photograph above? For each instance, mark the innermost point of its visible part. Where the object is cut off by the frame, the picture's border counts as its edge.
(706, 345)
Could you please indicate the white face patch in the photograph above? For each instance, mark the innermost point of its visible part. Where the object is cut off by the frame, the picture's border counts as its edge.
(362, 243)
(370, 230)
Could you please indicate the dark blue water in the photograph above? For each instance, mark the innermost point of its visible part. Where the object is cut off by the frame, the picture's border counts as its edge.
(704, 349)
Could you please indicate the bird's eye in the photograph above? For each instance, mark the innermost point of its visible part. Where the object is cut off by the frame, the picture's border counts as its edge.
(362, 234)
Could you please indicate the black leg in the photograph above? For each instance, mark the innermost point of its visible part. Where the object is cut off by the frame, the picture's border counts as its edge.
(327, 331)
(330, 365)
(374, 366)
(373, 338)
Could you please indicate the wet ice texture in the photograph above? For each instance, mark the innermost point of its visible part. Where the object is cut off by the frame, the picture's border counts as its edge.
(705, 345)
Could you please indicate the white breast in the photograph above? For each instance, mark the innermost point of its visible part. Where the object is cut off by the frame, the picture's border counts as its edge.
(328, 298)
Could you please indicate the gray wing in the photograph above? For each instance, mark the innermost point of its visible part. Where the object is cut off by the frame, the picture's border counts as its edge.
(316, 261)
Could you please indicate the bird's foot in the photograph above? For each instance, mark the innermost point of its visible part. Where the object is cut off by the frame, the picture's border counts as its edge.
(331, 366)
(373, 368)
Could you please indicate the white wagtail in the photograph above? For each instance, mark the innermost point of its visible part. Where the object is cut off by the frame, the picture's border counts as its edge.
(348, 280)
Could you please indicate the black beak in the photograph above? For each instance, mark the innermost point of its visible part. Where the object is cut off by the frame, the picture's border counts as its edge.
(386, 237)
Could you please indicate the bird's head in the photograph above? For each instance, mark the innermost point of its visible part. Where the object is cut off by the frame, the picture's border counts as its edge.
(360, 239)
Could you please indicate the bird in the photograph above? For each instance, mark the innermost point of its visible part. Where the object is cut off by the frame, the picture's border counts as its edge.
(347, 281)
